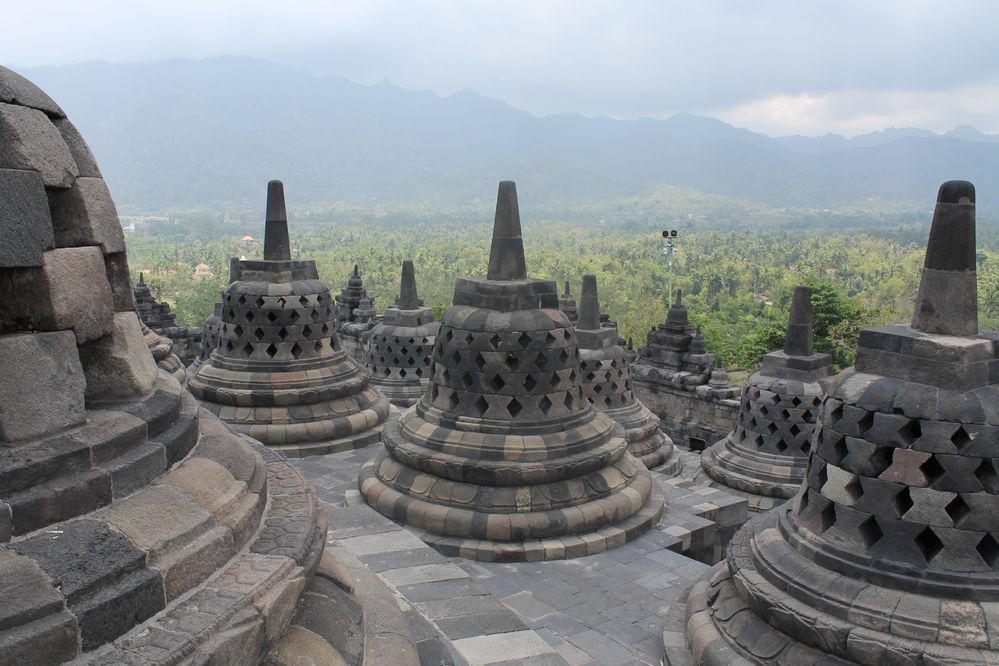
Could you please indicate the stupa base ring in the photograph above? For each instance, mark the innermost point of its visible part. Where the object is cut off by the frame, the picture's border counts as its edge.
(411, 510)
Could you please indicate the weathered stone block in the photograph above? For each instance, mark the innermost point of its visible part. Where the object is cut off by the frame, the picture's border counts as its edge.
(29, 140)
(15, 89)
(84, 159)
(25, 222)
(116, 267)
(85, 215)
(6, 525)
(43, 385)
(69, 292)
(101, 574)
(119, 366)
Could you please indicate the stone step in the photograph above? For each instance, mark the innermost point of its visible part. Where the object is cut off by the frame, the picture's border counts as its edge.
(136, 468)
(59, 499)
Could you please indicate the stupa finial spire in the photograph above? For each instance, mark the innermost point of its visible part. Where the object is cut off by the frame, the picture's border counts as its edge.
(799, 340)
(947, 302)
(589, 309)
(276, 244)
(506, 256)
(408, 299)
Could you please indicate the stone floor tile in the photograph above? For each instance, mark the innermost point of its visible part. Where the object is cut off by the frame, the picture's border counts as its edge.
(603, 651)
(500, 648)
(426, 573)
(524, 604)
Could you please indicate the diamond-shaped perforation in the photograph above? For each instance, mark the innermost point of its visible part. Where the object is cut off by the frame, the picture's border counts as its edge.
(988, 550)
(781, 445)
(303, 299)
(771, 428)
(260, 301)
(986, 474)
(480, 361)
(563, 356)
(840, 450)
(452, 400)
(794, 429)
(957, 509)
(902, 501)
(545, 405)
(549, 339)
(910, 432)
(258, 333)
(467, 380)
(881, 459)
(933, 470)
(481, 406)
(870, 531)
(248, 349)
(272, 316)
(249, 316)
(495, 340)
(512, 361)
(283, 333)
(456, 359)
(795, 401)
(929, 544)
(237, 330)
(294, 316)
(497, 383)
(530, 382)
(296, 350)
(271, 350)
(569, 401)
(960, 438)
(865, 422)
(524, 340)
(853, 489)
(307, 331)
(827, 517)
(514, 407)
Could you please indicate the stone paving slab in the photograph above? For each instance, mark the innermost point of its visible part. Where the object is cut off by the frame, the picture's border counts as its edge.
(605, 609)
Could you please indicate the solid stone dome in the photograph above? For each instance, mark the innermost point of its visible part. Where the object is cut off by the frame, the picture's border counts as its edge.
(117, 496)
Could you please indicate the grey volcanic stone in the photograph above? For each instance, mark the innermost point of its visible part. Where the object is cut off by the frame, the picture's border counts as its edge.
(102, 575)
(35, 628)
(116, 269)
(16, 89)
(276, 244)
(25, 223)
(799, 340)
(70, 291)
(119, 366)
(506, 257)
(6, 526)
(408, 300)
(85, 215)
(29, 140)
(43, 384)
(85, 161)
(589, 309)
(947, 302)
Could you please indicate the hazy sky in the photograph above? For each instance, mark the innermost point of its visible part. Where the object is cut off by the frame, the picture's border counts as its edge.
(778, 67)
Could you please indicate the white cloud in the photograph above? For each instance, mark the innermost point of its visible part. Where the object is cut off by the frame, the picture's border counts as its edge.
(859, 111)
(783, 60)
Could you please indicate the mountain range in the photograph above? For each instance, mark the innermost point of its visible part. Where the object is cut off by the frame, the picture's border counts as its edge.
(193, 133)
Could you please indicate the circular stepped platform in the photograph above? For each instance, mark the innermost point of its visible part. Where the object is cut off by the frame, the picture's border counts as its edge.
(154, 514)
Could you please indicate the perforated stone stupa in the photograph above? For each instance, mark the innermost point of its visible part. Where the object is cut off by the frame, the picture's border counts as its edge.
(503, 458)
(567, 304)
(211, 333)
(134, 529)
(764, 457)
(675, 377)
(355, 316)
(401, 346)
(607, 385)
(161, 319)
(279, 373)
(889, 552)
